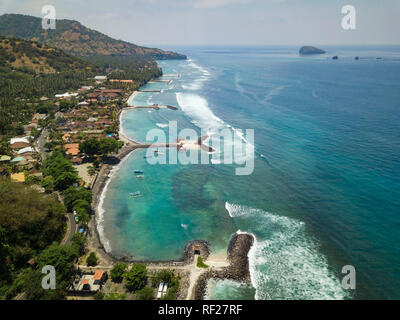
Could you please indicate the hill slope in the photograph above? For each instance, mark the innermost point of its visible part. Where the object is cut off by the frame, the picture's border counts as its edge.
(30, 70)
(23, 55)
(76, 39)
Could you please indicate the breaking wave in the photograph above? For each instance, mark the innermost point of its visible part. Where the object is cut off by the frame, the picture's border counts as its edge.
(285, 262)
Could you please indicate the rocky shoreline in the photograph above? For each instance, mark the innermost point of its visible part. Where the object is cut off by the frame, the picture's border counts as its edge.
(238, 269)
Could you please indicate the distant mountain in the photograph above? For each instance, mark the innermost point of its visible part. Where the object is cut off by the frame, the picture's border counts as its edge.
(76, 39)
(310, 50)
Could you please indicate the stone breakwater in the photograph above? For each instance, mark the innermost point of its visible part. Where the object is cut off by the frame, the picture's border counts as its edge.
(186, 259)
(238, 269)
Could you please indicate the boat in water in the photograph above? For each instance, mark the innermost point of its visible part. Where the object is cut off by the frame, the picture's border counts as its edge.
(138, 172)
(141, 176)
(135, 194)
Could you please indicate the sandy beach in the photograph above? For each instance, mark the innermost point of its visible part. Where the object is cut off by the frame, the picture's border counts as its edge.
(194, 279)
(133, 95)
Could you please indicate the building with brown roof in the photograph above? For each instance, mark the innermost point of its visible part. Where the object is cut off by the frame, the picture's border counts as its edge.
(19, 145)
(72, 149)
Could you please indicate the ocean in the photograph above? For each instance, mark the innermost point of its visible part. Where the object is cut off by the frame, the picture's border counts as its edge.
(325, 189)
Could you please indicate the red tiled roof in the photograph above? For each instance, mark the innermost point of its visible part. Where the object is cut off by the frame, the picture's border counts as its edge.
(98, 275)
(72, 148)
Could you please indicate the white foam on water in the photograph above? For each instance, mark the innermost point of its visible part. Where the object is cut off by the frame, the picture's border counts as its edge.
(223, 289)
(203, 75)
(197, 109)
(285, 262)
(273, 92)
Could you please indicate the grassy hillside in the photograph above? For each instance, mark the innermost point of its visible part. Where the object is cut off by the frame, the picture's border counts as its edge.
(76, 39)
(31, 70)
(18, 54)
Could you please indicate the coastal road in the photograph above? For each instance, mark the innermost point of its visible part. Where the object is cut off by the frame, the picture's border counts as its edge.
(71, 230)
(41, 141)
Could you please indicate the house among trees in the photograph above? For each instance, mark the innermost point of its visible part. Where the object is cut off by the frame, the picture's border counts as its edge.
(100, 79)
(5, 158)
(26, 150)
(89, 282)
(72, 149)
(20, 139)
(19, 145)
(18, 177)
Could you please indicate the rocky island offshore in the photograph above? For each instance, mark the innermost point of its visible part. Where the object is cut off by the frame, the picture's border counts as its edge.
(307, 50)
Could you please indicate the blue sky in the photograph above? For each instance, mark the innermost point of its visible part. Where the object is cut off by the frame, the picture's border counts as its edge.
(227, 22)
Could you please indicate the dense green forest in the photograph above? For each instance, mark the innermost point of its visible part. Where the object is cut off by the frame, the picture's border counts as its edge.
(134, 68)
(29, 222)
(74, 38)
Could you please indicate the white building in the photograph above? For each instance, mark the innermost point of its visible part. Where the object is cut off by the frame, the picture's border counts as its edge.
(66, 95)
(25, 150)
(100, 79)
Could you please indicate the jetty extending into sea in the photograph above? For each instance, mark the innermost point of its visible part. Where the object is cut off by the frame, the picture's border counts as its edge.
(153, 106)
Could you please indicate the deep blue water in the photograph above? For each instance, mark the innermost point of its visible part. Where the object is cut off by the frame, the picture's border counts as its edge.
(325, 191)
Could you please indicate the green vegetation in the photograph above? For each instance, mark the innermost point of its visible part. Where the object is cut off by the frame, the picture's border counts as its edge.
(28, 71)
(136, 277)
(200, 263)
(146, 293)
(78, 199)
(118, 271)
(75, 38)
(75, 198)
(162, 276)
(102, 147)
(92, 259)
(173, 284)
(29, 223)
(79, 241)
(48, 183)
(74, 195)
(61, 170)
(115, 296)
(171, 278)
(98, 295)
(126, 68)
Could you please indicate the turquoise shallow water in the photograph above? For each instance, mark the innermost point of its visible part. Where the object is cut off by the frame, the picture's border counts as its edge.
(325, 188)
